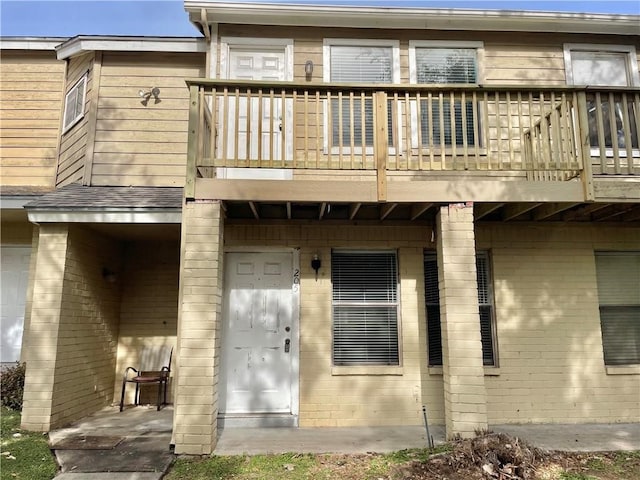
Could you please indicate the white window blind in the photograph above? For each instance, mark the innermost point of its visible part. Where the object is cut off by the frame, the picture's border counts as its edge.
(365, 308)
(446, 65)
(357, 64)
(74, 103)
(618, 278)
(436, 65)
(485, 301)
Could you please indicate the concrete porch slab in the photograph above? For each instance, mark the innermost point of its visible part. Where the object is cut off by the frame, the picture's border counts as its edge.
(142, 454)
(251, 441)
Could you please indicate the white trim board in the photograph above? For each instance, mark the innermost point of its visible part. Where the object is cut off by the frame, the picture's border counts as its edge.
(78, 45)
(412, 18)
(123, 216)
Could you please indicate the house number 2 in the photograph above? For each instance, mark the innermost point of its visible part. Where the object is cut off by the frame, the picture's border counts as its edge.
(296, 280)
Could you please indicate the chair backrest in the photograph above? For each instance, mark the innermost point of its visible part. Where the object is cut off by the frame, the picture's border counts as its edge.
(154, 357)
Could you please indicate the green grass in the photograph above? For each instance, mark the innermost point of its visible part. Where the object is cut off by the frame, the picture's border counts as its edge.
(575, 476)
(28, 457)
(291, 466)
(288, 466)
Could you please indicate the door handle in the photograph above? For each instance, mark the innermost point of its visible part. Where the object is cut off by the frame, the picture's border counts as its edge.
(287, 345)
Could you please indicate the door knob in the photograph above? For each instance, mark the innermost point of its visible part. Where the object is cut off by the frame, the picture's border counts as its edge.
(287, 345)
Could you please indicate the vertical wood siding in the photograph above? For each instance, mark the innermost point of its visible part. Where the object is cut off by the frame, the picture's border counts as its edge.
(137, 144)
(30, 100)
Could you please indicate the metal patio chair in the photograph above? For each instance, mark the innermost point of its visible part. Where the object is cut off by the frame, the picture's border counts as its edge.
(154, 369)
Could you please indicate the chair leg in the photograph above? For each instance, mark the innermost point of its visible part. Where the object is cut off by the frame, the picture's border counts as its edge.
(159, 394)
(136, 399)
(124, 384)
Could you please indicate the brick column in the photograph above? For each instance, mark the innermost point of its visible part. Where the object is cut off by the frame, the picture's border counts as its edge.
(199, 311)
(464, 389)
(44, 325)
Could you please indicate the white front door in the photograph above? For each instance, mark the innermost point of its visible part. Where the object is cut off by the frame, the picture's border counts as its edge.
(13, 290)
(255, 63)
(258, 333)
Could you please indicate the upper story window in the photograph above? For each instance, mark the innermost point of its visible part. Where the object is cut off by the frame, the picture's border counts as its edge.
(610, 66)
(446, 63)
(358, 61)
(74, 104)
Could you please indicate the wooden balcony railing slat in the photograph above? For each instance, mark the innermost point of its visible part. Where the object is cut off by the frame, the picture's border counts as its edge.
(626, 129)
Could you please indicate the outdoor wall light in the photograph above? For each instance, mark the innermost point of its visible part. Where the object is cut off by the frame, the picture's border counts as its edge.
(109, 275)
(308, 69)
(316, 263)
(147, 94)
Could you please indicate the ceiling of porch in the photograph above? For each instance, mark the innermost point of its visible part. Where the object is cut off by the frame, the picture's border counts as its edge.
(340, 212)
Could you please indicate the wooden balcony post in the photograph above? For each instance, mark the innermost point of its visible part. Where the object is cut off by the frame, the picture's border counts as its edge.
(381, 142)
(192, 143)
(585, 147)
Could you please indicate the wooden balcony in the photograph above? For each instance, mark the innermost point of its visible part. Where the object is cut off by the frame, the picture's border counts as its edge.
(537, 139)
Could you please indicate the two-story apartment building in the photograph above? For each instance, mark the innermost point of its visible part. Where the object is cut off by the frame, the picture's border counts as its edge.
(335, 215)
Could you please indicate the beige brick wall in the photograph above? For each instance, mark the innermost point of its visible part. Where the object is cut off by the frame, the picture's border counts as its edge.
(346, 396)
(549, 340)
(149, 309)
(200, 301)
(74, 327)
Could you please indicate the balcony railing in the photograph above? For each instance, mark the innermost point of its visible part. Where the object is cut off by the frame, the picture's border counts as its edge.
(546, 133)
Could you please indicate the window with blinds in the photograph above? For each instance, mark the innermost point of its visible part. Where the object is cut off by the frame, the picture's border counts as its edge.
(365, 307)
(439, 65)
(357, 64)
(618, 279)
(485, 301)
(74, 104)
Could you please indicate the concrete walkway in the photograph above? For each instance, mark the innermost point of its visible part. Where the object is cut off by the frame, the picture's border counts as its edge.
(109, 445)
(134, 444)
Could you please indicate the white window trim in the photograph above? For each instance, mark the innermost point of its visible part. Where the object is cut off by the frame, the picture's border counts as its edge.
(413, 79)
(327, 43)
(84, 79)
(630, 50)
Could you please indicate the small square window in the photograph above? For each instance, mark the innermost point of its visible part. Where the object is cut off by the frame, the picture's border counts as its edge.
(74, 104)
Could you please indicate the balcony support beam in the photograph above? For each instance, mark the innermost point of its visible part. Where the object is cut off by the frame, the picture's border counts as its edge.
(365, 191)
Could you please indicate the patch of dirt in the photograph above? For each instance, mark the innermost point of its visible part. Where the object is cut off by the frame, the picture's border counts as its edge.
(487, 457)
(502, 457)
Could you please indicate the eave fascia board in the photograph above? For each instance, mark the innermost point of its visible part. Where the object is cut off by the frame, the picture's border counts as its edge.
(132, 215)
(413, 18)
(31, 43)
(81, 44)
(15, 202)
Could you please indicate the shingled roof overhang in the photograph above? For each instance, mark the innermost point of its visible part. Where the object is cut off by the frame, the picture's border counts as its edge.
(202, 11)
(77, 203)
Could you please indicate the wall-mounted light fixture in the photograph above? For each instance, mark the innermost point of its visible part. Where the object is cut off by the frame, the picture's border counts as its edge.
(308, 69)
(316, 263)
(109, 275)
(147, 94)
